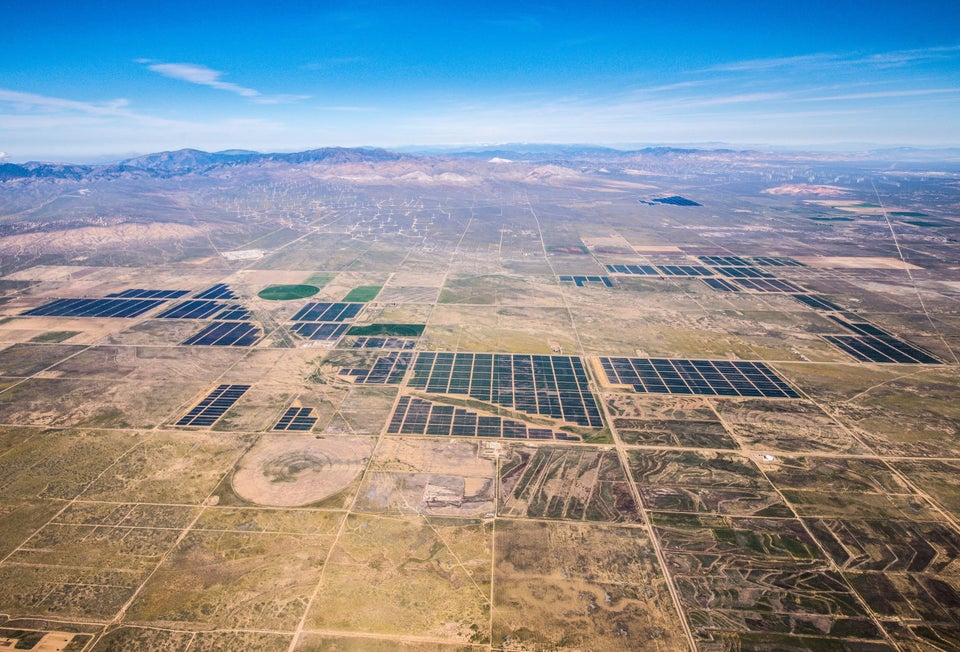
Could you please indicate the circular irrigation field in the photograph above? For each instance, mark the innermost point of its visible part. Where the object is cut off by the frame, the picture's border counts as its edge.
(287, 292)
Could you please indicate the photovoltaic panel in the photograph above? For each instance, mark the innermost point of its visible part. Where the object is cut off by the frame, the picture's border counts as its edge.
(777, 261)
(213, 406)
(743, 272)
(817, 302)
(322, 311)
(733, 261)
(554, 386)
(416, 416)
(580, 281)
(721, 284)
(684, 270)
(138, 293)
(95, 308)
(769, 285)
(320, 331)
(873, 344)
(192, 309)
(388, 369)
(383, 343)
(225, 333)
(704, 377)
(637, 270)
(298, 419)
(218, 291)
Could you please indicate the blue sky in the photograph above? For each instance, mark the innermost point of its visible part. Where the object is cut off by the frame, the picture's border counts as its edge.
(84, 80)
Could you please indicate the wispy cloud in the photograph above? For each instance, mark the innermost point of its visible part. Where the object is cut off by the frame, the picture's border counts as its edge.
(835, 59)
(31, 101)
(203, 76)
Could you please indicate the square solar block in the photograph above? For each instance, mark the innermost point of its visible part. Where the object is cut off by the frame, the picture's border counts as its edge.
(817, 302)
(218, 291)
(225, 334)
(703, 377)
(125, 308)
(213, 406)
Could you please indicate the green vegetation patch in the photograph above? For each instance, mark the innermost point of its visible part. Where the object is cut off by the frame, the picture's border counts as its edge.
(908, 214)
(363, 293)
(54, 337)
(572, 249)
(287, 292)
(396, 330)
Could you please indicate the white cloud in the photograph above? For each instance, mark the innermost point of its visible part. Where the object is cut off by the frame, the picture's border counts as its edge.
(203, 76)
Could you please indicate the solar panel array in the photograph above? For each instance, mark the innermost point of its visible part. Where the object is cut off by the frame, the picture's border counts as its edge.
(415, 416)
(138, 293)
(743, 272)
(706, 377)
(213, 406)
(95, 308)
(202, 309)
(225, 333)
(386, 370)
(637, 270)
(300, 419)
(684, 270)
(580, 281)
(329, 312)
(722, 284)
(320, 331)
(384, 343)
(777, 261)
(554, 386)
(733, 261)
(817, 302)
(873, 344)
(768, 285)
(740, 261)
(218, 291)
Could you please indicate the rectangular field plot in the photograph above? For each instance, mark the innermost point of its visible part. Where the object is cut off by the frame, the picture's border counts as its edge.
(636, 270)
(769, 285)
(580, 281)
(328, 312)
(579, 484)
(213, 406)
(387, 370)
(95, 308)
(383, 343)
(721, 284)
(415, 416)
(138, 293)
(218, 291)
(706, 377)
(683, 270)
(297, 418)
(817, 302)
(226, 333)
(320, 331)
(554, 386)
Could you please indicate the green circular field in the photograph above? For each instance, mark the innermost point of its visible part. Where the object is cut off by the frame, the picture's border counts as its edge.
(287, 292)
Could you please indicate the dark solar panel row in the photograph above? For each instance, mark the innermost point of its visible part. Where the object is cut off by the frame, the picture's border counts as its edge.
(874, 349)
(415, 416)
(192, 309)
(297, 418)
(137, 293)
(777, 261)
(638, 270)
(581, 280)
(320, 331)
(233, 312)
(387, 370)
(684, 270)
(384, 343)
(817, 302)
(95, 308)
(873, 344)
(225, 333)
(769, 285)
(732, 261)
(743, 272)
(322, 311)
(676, 200)
(218, 291)
(721, 284)
(213, 406)
(706, 377)
(554, 386)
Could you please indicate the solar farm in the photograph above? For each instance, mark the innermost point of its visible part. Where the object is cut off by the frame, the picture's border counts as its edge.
(521, 416)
